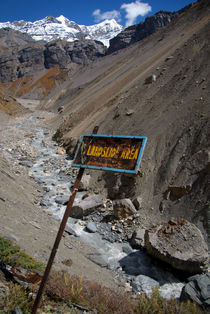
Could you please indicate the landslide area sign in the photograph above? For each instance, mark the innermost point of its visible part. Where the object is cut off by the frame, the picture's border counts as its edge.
(110, 152)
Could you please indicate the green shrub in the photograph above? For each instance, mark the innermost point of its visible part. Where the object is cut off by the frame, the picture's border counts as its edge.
(12, 255)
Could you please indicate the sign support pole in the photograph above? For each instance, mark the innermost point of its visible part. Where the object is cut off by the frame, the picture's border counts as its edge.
(59, 237)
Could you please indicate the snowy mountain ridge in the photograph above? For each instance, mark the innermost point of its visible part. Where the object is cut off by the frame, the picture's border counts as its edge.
(51, 28)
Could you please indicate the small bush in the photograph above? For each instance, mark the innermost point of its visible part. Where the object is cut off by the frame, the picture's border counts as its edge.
(16, 296)
(12, 255)
(157, 305)
(74, 290)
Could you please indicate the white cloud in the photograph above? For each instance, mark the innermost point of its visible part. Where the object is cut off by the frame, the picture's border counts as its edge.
(134, 9)
(109, 15)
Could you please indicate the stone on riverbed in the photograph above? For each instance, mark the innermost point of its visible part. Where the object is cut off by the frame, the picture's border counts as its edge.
(62, 200)
(180, 244)
(144, 284)
(91, 227)
(86, 206)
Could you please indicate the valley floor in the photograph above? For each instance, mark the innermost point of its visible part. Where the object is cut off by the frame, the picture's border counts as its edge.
(22, 218)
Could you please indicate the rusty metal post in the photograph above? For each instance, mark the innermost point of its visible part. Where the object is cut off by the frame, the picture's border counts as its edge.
(59, 237)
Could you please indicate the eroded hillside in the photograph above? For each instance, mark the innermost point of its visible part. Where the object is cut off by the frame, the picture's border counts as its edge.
(172, 111)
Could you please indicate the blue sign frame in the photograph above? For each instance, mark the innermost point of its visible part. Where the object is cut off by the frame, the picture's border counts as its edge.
(143, 139)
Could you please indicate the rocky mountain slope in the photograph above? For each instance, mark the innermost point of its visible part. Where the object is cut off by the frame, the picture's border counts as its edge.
(30, 68)
(51, 28)
(159, 88)
(140, 31)
(25, 62)
(172, 110)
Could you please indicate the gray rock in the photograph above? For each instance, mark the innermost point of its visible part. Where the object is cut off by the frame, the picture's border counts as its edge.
(97, 259)
(198, 290)
(123, 208)
(144, 284)
(171, 290)
(84, 183)
(91, 227)
(180, 244)
(86, 206)
(63, 200)
(137, 240)
(46, 188)
(11, 237)
(70, 231)
(129, 112)
(150, 79)
(137, 202)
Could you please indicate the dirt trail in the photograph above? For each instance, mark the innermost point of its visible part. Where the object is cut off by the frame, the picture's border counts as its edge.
(22, 218)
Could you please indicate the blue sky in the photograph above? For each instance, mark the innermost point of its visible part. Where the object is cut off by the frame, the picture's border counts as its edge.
(126, 12)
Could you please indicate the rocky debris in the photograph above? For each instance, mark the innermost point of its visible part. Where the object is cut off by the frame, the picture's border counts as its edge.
(123, 208)
(180, 244)
(198, 290)
(150, 79)
(86, 206)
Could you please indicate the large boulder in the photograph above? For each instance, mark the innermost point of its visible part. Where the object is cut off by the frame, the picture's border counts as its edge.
(180, 244)
(123, 208)
(198, 290)
(86, 206)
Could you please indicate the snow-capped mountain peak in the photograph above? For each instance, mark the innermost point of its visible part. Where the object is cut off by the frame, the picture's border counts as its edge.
(51, 28)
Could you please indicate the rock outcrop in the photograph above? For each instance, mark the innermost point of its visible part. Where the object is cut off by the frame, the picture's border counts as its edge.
(12, 38)
(25, 57)
(140, 31)
(180, 244)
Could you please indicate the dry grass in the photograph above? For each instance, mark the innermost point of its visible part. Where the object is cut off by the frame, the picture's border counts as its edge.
(8, 104)
(65, 293)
